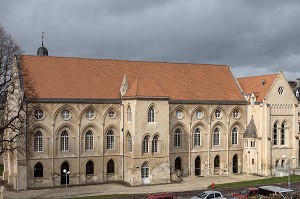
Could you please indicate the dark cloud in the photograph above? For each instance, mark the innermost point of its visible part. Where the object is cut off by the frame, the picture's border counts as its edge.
(253, 37)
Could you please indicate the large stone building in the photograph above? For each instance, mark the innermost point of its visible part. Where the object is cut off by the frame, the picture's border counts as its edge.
(139, 122)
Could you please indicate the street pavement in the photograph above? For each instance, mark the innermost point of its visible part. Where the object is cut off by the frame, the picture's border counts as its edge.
(190, 183)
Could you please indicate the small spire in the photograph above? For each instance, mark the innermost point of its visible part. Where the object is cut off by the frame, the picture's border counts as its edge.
(124, 86)
(42, 51)
(43, 38)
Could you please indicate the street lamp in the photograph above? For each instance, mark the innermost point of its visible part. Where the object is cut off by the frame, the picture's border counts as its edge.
(66, 172)
(288, 164)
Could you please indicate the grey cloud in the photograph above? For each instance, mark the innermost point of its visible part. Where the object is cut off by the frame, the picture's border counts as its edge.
(253, 37)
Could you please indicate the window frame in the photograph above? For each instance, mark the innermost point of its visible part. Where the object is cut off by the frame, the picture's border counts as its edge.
(234, 136)
(216, 137)
(64, 141)
(129, 143)
(145, 144)
(90, 113)
(155, 144)
(89, 140)
(177, 137)
(145, 170)
(197, 137)
(110, 140)
(65, 114)
(275, 134)
(282, 133)
(38, 141)
(151, 114)
(38, 114)
(218, 113)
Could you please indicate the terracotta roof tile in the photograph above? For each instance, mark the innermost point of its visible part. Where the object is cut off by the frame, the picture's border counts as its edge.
(258, 84)
(62, 77)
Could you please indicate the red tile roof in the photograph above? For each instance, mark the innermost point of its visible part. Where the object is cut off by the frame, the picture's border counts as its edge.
(78, 78)
(258, 84)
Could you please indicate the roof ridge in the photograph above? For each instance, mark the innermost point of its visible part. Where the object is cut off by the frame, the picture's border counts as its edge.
(125, 60)
(257, 76)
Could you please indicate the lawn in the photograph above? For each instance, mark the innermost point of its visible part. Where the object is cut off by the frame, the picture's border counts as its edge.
(274, 180)
(255, 183)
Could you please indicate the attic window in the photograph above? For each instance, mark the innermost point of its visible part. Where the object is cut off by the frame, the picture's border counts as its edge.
(280, 90)
(263, 82)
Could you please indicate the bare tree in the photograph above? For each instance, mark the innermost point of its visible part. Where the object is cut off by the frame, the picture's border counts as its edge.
(15, 90)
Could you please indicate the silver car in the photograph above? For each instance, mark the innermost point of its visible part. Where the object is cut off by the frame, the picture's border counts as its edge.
(209, 194)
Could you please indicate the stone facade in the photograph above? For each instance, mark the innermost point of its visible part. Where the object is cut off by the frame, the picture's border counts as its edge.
(145, 140)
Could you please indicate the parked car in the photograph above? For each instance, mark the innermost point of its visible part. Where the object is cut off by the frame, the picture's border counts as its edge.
(209, 194)
(269, 190)
(159, 196)
(246, 193)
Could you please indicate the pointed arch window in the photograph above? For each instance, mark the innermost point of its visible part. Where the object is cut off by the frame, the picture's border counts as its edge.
(197, 137)
(275, 131)
(177, 138)
(151, 114)
(110, 166)
(89, 168)
(38, 141)
(282, 134)
(155, 144)
(129, 143)
(38, 170)
(89, 140)
(110, 142)
(234, 138)
(216, 137)
(64, 141)
(145, 145)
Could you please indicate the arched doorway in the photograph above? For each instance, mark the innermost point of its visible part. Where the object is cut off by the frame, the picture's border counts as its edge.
(216, 164)
(178, 166)
(198, 166)
(235, 164)
(64, 179)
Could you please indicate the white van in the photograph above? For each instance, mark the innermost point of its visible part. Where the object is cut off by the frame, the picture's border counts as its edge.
(268, 190)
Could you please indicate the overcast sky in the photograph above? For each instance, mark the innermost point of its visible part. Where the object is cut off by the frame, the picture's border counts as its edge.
(253, 37)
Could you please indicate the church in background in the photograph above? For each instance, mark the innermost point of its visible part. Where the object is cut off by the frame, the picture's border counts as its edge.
(141, 122)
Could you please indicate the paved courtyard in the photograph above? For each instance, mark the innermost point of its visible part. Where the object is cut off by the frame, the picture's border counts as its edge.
(189, 183)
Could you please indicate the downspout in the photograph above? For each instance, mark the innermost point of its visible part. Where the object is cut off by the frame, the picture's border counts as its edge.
(123, 149)
(52, 158)
(103, 150)
(209, 146)
(190, 140)
(228, 140)
(79, 146)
